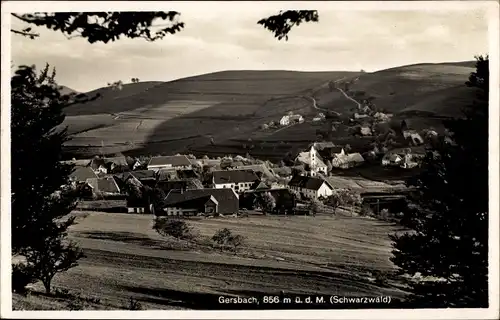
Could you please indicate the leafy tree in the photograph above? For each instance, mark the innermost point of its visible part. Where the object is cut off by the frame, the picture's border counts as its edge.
(111, 26)
(36, 133)
(224, 237)
(173, 227)
(266, 202)
(449, 211)
(314, 206)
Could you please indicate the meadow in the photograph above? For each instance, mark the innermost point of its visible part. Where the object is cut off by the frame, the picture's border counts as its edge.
(126, 258)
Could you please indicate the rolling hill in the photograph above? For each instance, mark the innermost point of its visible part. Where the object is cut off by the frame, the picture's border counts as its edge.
(218, 113)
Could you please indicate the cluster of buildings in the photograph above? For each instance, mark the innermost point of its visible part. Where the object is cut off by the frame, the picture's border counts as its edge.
(186, 189)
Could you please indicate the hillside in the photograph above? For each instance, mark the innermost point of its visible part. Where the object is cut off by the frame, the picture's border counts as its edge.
(217, 113)
(167, 116)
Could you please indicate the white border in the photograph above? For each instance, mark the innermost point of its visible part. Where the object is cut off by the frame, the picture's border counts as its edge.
(491, 313)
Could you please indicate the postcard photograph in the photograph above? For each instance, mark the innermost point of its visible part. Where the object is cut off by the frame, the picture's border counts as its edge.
(276, 158)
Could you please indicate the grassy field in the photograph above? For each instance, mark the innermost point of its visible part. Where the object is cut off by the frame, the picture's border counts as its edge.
(298, 254)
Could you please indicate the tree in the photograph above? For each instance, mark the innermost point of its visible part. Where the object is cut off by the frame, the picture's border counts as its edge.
(449, 211)
(314, 206)
(224, 237)
(173, 227)
(111, 26)
(266, 202)
(36, 134)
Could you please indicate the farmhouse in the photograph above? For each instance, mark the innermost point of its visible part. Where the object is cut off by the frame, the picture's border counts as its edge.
(347, 160)
(310, 187)
(288, 119)
(104, 186)
(329, 153)
(145, 177)
(82, 174)
(107, 165)
(200, 201)
(238, 180)
(413, 137)
(180, 162)
(188, 184)
(392, 159)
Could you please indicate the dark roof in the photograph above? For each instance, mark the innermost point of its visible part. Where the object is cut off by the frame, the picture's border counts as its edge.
(106, 162)
(227, 198)
(167, 174)
(82, 174)
(172, 160)
(310, 183)
(258, 185)
(144, 174)
(234, 176)
(328, 153)
(187, 174)
(166, 186)
(106, 184)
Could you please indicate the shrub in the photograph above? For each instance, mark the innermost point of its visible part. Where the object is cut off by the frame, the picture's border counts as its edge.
(75, 305)
(173, 227)
(133, 304)
(224, 237)
(366, 210)
(22, 275)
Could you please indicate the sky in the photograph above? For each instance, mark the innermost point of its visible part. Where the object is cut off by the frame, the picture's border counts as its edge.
(227, 37)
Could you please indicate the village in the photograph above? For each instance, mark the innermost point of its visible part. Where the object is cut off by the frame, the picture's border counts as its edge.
(183, 185)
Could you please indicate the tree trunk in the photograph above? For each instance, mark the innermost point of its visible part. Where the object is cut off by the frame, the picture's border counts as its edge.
(46, 284)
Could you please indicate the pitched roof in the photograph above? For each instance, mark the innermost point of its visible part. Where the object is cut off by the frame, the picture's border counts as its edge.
(227, 199)
(82, 174)
(166, 186)
(78, 162)
(307, 182)
(234, 176)
(139, 175)
(330, 152)
(106, 185)
(175, 161)
(323, 145)
(167, 174)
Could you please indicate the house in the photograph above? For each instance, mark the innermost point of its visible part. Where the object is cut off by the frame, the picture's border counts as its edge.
(392, 159)
(77, 162)
(310, 187)
(288, 119)
(360, 116)
(200, 201)
(135, 205)
(104, 186)
(313, 160)
(328, 153)
(413, 137)
(406, 158)
(187, 184)
(347, 160)
(166, 174)
(145, 177)
(82, 174)
(180, 162)
(108, 165)
(238, 180)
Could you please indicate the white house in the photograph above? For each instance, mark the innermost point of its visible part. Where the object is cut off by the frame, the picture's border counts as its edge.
(311, 187)
(347, 161)
(180, 162)
(285, 120)
(238, 180)
(288, 119)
